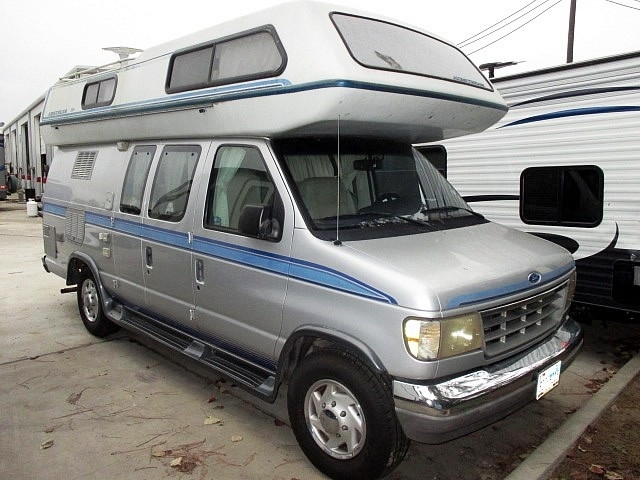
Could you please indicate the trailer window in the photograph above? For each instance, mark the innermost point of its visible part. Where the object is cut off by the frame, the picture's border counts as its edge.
(135, 179)
(564, 196)
(99, 94)
(172, 182)
(386, 46)
(253, 55)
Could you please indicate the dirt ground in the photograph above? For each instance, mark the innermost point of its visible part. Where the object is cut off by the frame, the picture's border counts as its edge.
(610, 448)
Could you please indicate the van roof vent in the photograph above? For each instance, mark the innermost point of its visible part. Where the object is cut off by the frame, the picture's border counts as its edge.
(83, 166)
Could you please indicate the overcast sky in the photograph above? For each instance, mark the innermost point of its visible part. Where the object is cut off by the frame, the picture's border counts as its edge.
(41, 40)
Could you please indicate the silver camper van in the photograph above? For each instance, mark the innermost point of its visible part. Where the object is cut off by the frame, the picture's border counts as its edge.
(249, 196)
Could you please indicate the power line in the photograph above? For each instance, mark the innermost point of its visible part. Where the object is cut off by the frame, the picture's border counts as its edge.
(623, 5)
(466, 43)
(460, 44)
(516, 29)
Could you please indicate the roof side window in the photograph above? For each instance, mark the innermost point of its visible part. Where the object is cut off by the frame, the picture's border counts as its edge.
(172, 182)
(252, 55)
(135, 179)
(386, 46)
(191, 69)
(570, 196)
(100, 93)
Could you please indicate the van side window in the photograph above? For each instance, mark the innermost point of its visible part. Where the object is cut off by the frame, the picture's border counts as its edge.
(135, 179)
(238, 178)
(172, 182)
(564, 196)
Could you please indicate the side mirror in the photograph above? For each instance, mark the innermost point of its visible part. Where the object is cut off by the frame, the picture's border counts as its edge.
(256, 221)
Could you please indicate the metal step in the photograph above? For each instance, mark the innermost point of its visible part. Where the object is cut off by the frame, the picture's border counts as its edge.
(245, 374)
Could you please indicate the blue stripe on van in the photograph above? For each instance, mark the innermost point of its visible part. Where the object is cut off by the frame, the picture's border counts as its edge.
(277, 264)
(286, 266)
(261, 88)
(53, 209)
(499, 292)
(294, 268)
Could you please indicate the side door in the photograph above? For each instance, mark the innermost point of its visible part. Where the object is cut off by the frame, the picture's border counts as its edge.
(128, 227)
(166, 238)
(241, 278)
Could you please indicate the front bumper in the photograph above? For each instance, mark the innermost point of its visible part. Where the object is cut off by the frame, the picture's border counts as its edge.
(438, 412)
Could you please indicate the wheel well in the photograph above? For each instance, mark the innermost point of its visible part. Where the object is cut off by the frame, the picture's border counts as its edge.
(76, 269)
(298, 347)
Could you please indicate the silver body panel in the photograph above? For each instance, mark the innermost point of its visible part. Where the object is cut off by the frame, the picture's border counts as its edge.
(255, 294)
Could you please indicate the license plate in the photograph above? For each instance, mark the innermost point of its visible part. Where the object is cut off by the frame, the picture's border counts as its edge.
(547, 379)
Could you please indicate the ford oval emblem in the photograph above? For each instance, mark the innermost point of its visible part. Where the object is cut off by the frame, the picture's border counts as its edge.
(534, 277)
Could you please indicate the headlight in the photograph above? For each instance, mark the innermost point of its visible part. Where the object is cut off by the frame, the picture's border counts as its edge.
(434, 339)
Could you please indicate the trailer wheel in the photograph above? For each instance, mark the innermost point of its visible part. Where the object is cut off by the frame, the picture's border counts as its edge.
(343, 417)
(90, 306)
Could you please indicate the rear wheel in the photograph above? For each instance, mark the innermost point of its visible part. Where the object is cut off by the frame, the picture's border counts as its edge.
(90, 307)
(343, 416)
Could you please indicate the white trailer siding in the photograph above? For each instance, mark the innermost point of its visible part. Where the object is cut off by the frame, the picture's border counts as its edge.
(25, 151)
(585, 114)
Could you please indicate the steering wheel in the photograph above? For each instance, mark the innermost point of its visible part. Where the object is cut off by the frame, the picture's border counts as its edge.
(387, 197)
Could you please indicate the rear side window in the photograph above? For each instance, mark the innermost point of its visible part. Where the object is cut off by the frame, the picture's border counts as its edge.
(100, 93)
(252, 55)
(563, 196)
(172, 182)
(135, 179)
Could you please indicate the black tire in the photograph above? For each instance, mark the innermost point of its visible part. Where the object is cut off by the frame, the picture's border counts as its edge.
(333, 392)
(90, 307)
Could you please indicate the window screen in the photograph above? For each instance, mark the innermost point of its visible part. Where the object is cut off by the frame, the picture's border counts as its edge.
(191, 69)
(382, 45)
(100, 93)
(565, 196)
(172, 182)
(257, 54)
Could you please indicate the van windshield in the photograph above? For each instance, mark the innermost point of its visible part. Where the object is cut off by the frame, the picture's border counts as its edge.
(369, 188)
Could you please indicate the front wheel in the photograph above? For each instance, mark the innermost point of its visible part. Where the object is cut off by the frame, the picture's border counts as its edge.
(90, 307)
(343, 417)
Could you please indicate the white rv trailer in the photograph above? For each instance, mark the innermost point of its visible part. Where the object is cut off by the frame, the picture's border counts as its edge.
(564, 164)
(249, 196)
(26, 154)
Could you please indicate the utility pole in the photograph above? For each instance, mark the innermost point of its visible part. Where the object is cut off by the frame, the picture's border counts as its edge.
(572, 26)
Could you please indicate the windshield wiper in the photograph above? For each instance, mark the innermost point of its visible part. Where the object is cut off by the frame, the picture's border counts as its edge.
(422, 223)
(448, 208)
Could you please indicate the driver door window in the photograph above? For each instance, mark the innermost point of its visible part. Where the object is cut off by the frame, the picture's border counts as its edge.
(238, 178)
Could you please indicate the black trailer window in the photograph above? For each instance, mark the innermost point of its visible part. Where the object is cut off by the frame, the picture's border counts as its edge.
(172, 182)
(252, 55)
(135, 179)
(564, 195)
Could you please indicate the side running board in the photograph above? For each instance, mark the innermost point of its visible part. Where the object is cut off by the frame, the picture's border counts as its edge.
(247, 375)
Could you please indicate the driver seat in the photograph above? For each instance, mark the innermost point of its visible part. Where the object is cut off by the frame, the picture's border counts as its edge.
(320, 196)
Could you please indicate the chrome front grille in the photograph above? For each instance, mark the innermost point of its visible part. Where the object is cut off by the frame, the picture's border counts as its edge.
(518, 324)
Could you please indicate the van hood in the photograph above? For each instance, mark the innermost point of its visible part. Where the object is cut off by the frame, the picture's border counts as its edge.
(449, 269)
